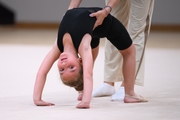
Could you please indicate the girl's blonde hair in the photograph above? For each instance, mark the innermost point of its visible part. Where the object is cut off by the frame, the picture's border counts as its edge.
(76, 82)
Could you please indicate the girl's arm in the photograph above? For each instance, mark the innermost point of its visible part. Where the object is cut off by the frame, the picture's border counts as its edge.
(87, 60)
(74, 4)
(47, 63)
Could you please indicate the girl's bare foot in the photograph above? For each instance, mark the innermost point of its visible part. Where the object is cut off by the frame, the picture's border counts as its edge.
(134, 99)
(80, 95)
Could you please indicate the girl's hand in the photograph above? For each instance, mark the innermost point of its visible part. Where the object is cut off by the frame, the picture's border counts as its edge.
(43, 103)
(83, 105)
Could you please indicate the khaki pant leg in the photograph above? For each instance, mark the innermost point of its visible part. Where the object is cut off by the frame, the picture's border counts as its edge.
(113, 60)
(139, 28)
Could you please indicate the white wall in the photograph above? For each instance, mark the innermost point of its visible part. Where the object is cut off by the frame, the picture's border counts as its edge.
(43, 10)
(165, 11)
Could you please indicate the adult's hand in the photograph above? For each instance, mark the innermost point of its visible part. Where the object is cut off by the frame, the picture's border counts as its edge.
(100, 15)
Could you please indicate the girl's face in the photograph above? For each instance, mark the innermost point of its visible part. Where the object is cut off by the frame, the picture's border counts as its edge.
(68, 65)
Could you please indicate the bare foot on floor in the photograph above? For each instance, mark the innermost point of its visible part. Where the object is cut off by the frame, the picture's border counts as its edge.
(134, 99)
(80, 97)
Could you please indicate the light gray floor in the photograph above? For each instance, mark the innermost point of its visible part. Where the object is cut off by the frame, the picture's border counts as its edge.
(22, 51)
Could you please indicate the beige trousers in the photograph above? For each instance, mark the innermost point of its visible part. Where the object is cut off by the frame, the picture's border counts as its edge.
(136, 16)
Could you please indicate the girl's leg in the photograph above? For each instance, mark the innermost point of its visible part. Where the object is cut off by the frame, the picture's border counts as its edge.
(129, 66)
(113, 61)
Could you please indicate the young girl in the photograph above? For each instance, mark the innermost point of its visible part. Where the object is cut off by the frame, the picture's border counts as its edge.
(76, 50)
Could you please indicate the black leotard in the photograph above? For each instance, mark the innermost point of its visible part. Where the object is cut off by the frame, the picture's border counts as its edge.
(77, 23)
